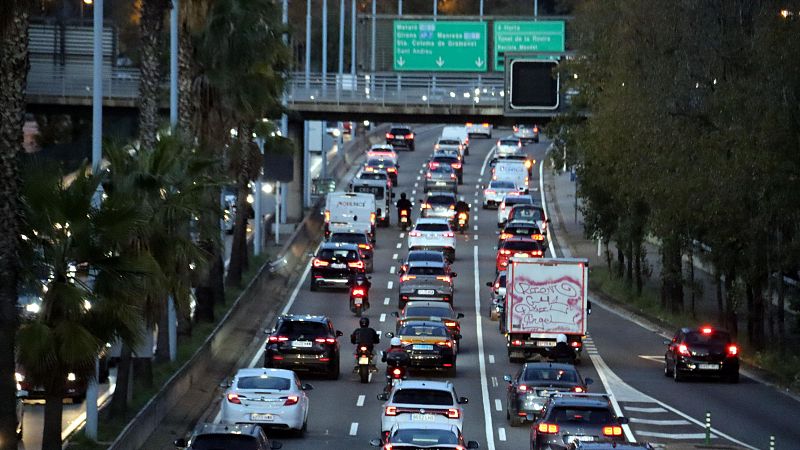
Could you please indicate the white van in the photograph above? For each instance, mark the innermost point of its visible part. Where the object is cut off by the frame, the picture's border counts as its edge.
(457, 132)
(511, 170)
(484, 129)
(350, 211)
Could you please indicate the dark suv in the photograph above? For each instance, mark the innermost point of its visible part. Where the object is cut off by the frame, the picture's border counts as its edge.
(401, 136)
(361, 240)
(213, 436)
(334, 263)
(533, 384)
(304, 343)
(702, 351)
(566, 419)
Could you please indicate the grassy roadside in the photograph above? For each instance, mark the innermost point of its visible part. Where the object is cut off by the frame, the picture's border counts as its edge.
(108, 429)
(781, 368)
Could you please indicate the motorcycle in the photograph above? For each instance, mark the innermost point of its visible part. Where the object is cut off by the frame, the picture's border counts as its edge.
(364, 365)
(461, 222)
(396, 370)
(359, 297)
(405, 219)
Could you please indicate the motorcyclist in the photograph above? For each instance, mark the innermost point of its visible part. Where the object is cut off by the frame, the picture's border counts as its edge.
(403, 204)
(360, 278)
(395, 355)
(562, 352)
(364, 335)
(462, 207)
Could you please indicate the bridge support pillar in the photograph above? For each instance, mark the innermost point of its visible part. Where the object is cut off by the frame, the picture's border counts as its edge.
(294, 194)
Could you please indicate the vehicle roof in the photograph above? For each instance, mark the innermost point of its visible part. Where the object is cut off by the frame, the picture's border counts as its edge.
(360, 233)
(527, 205)
(430, 322)
(429, 304)
(219, 428)
(440, 193)
(426, 263)
(436, 220)
(590, 402)
(255, 372)
(523, 198)
(427, 252)
(510, 137)
(612, 445)
(338, 246)
(409, 425)
(382, 147)
(548, 365)
(304, 318)
(521, 224)
(425, 384)
(520, 239)
(340, 194)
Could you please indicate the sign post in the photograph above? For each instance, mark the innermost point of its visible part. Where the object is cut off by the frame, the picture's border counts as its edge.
(439, 46)
(526, 37)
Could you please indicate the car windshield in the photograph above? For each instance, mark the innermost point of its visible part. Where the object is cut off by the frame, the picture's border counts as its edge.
(518, 200)
(445, 159)
(432, 227)
(428, 311)
(431, 271)
(380, 163)
(592, 416)
(349, 238)
(500, 184)
(521, 245)
(422, 331)
(441, 199)
(337, 255)
(424, 437)
(263, 382)
(550, 374)
(527, 214)
(423, 396)
(227, 441)
(296, 329)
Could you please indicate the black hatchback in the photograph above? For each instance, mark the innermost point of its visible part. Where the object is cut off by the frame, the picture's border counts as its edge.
(530, 388)
(401, 136)
(566, 419)
(334, 263)
(705, 351)
(304, 343)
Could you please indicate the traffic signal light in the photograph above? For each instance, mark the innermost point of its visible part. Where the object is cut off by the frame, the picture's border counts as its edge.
(534, 84)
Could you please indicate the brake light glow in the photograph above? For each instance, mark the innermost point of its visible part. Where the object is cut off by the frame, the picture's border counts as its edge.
(372, 218)
(320, 263)
(469, 124)
(522, 388)
(547, 428)
(453, 176)
(291, 400)
(405, 278)
(356, 265)
(415, 234)
(450, 324)
(410, 136)
(449, 234)
(733, 350)
(536, 253)
(453, 413)
(403, 212)
(327, 216)
(363, 348)
(325, 340)
(614, 430)
(528, 163)
(390, 411)
(505, 252)
(428, 175)
(452, 207)
(365, 246)
(391, 169)
(359, 292)
(444, 278)
(278, 338)
(535, 129)
(537, 237)
(397, 372)
(683, 349)
(578, 389)
(234, 398)
(426, 206)
(448, 344)
(706, 330)
(516, 343)
(505, 235)
(456, 165)
(576, 344)
(389, 136)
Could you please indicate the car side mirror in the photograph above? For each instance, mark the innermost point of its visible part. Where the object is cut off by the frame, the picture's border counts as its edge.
(307, 387)
(181, 443)
(375, 442)
(389, 334)
(623, 420)
(460, 316)
(339, 333)
(489, 284)
(588, 381)
(473, 444)
(383, 396)
(453, 274)
(275, 445)
(507, 378)
(395, 314)
(463, 400)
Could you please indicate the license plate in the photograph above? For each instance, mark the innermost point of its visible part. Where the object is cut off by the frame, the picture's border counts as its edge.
(264, 417)
(358, 301)
(545, 343)
(363, 360)
(708, 366)
(426, 292)
(338, 266)
(423, 347)
(583, 438)
(422, 417)
(441, 183)
(302, 344)
(521, 255)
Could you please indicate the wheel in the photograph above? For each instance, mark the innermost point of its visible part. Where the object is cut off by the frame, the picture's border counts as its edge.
(676, 375)
(302, 430)
(359, 311)
(363, 374)
(667, 372)
(314, 286)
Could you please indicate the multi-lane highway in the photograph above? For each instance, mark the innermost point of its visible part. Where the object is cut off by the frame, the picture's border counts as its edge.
(622, 356)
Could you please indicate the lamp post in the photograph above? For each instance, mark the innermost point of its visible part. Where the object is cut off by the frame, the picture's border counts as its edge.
(258, 213)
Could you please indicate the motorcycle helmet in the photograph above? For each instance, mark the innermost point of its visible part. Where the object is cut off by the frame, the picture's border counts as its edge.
(364, 322)
(403, 195)
(395, 342)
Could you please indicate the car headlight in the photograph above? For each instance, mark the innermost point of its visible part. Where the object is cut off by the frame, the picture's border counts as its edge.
(19, 377)
(71, 377)
(33, 308)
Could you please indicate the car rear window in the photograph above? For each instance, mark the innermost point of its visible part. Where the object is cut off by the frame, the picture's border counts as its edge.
(263, 382)
(427, 311)
(521, 245)
(550, 374)
(425, 256)
(521, 231)
(499, 184)
(527, 214)
(349, 238)
(716, 339)
(339, 255)
(508, 142)
(423, 397)
(592, 416)
(445, 159)
(432, 271)
(442, 168)
(400, 131)
(372, 176)
(423, 331)
(518, 200)
(432, 227)
(423, 437)
(224, 441)
(439, 199)
(295, 329)
(380, 162)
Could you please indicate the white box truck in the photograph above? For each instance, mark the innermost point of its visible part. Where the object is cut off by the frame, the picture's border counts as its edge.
(545, 297)
(350, 211)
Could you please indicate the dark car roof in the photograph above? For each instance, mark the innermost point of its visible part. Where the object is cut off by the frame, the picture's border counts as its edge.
(585, 401)
(521, 224)
(548, 365)
(305, 318)
(218, 428)
(426, 263)
(520, 239)
(424, 255)
(612, 445)
(338, 246)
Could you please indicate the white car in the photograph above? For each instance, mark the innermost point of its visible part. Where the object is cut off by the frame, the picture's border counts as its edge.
(507, 145)
(422, 402)
(496, 192)
(484, 129)
(268, 397)
(508, 202)
(433, 234)
(382, 151)
(457, 132)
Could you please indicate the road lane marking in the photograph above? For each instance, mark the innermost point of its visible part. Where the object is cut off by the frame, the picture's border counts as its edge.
(494, 381)
(656, 358)
(501, 433)
(413, 192)
(386, 301)
(360, 401)
(353, 428)
(486, 160)
(392, 269)
(477, 186)
(475, 228)
(394, 256)
(491, 359)
(418, 178)
(399, 245)
(402, 235)
(544, 207)
(498, 405)
(645, 410)
(416, 184)
(383, 317)
(389, 285)
(476, 237)
(480, 179)
(487, 414)
(677, 436)
(660, 422)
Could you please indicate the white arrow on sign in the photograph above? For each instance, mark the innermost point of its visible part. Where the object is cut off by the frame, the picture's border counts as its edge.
(401, 62)
(479, 62)
(440, 62)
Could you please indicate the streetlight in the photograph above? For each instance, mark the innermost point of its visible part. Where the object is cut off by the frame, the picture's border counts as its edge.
(785, 13)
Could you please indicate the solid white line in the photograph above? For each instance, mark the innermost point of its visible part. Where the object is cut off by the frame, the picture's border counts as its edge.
(660, 422)
(498, 405)
(386, 301)
(487, 414)
(674, 435)
(485, 161)
(544, 207)
(394, 256)
(383, 317)
(392, 269)
(645, 410)
(389, 285)
(599, 364)
(360, 401)
(353, 428)
(501, 433)
(491, 359)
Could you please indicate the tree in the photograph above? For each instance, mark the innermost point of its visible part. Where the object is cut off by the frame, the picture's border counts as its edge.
(151, 30)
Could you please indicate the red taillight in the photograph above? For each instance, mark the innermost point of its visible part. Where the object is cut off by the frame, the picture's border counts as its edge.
(320, 263)
(505, 252)
(453, 413)
(535, 129)
(444, 278)
(278, 339)
(575, 344)
(450, 324)
(390, 411)
(363, 348)
(403, 212)
(578, 389)
(522, 388)
(449, 234)
(536, 253)
(327, 216)
(614, 430)
(537, 237)
(497, 285)
(356, 265)
(388, 446)
(505, 235)
(706, 330)
(391, 169)
(448, 344)
(365, 246)
(325, 340)
(291, 400)
(234, 398)
(415, 234)
(405, 278)
(428, 175)
(516, 343)
(389, 136)
(733, 350)
(359, 292)
(456, 166)
(397, 372)
(425, 206)
(683, 349)
(452, 176)
(547, 428)
(410, 136)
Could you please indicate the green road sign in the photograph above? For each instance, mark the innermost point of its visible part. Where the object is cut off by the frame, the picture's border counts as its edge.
(441, 46)
(542, 36)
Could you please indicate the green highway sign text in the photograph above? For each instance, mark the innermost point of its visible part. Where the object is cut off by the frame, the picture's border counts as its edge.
(540, 36)
(441, 46)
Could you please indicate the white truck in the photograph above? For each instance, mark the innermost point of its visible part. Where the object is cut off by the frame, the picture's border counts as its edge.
(348, 212)
(545, 297)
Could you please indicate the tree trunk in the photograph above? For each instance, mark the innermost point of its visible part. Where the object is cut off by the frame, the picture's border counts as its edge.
(53, 415)
(691, 280)
(239, 245)
(13, 78)
(750, 316)
(731, 317)
(608, 256)
(620, 261)
(162, 337)
(672, 274)
(758, 316)
(151, 28)
(781, 311)
(638, 267)
(119, 402)
(720, 306)
(186, 73)
(629, 264)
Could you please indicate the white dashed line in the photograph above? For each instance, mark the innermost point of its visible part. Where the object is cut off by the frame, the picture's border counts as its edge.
(416, 184)
(418, 178)
(360, 401)
(494, 381)
(687, 436)
(399, 245)
(476, 237)
(392, 269)
(413, 192)
(475, 228)
(402, 235)
(655, 410)
(501, 434)
(491, 359)
(386, 301)
(498, 405)
(394, 256)
(477, 186)
(353, 428)
(660, 422)
(389, 285)
(382, 318)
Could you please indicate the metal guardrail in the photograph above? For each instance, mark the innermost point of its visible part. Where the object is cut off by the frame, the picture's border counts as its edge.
(75, 81)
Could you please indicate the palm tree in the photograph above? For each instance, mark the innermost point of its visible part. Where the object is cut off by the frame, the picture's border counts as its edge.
(64, 228)
(151, 30)
(13, 76)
